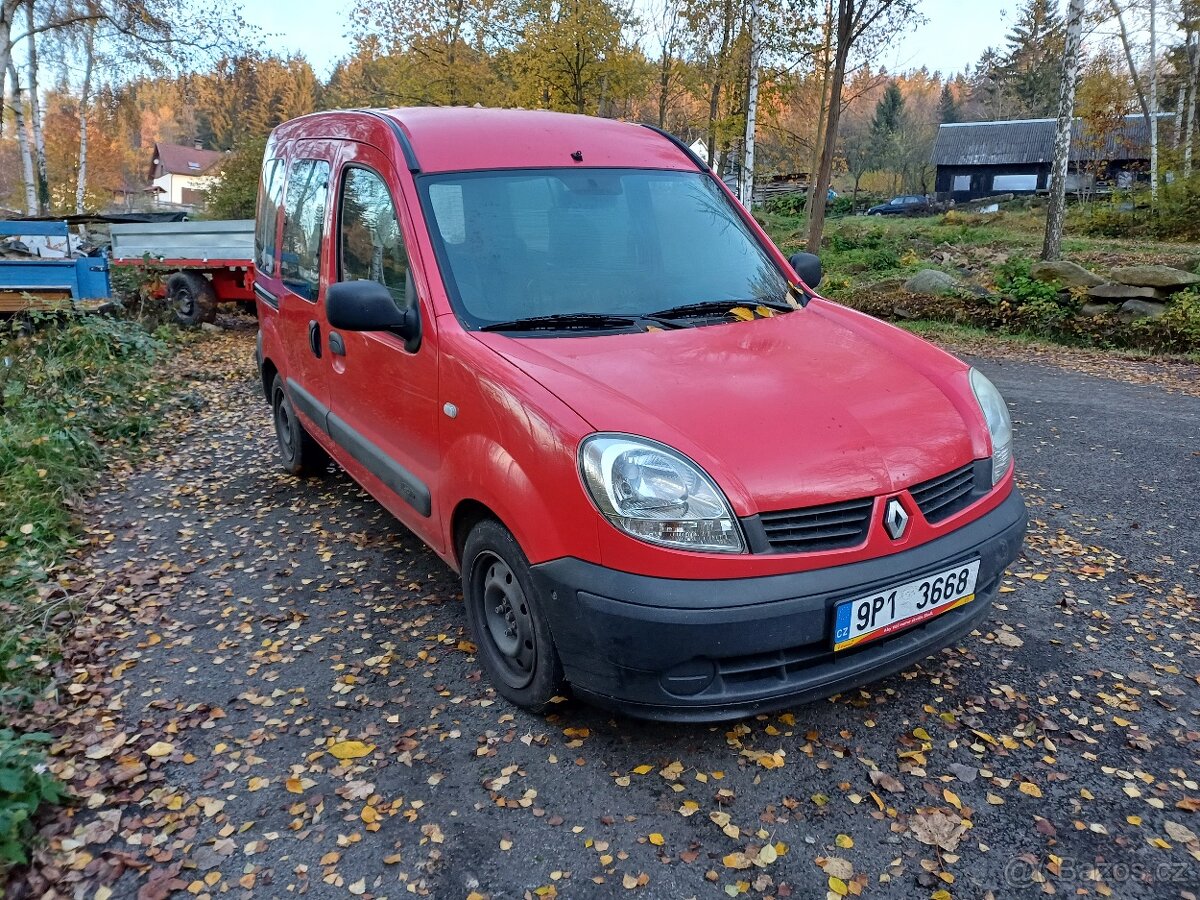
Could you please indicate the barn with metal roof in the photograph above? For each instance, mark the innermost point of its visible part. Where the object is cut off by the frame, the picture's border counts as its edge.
(981, 159)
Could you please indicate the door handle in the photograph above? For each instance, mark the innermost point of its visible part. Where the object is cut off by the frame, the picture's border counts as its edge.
(314, 337)
(336, 345)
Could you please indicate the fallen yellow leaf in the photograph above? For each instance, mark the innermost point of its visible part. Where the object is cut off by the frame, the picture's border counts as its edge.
(159, 749)
(351, 749)
(657, 839)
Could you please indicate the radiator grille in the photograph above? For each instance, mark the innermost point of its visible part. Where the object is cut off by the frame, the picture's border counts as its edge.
(940, 498)
(831, 527)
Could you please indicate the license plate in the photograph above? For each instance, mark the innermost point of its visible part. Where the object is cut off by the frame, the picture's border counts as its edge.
(896, 608)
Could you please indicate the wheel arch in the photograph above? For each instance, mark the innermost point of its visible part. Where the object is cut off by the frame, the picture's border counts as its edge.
(268, 371)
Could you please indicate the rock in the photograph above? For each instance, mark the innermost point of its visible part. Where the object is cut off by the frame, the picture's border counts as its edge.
(1068, 274)
(1090, 310)
(209, 327)
(1155, 276)
(1114, 291)
(1132, 310)
(931, 281)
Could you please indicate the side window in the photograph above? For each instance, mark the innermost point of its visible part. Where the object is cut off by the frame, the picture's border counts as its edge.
(270, 190)
(304, 226)
(372, 245)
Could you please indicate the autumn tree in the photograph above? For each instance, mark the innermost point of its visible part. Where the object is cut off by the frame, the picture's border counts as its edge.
(235, 195)
(1055, 211)
(251, 94)
(574, 57)
(436, 52)
(858, 23)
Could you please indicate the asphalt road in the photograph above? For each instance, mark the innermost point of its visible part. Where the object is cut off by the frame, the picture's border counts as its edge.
(243, 624)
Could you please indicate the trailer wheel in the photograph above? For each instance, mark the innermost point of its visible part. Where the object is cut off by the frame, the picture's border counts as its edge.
(192, 297)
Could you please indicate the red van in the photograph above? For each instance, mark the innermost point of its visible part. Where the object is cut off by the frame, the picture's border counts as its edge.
(672, 476)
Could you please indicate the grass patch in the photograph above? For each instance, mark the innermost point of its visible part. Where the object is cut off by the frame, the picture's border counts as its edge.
(72, 388)
(866, 261)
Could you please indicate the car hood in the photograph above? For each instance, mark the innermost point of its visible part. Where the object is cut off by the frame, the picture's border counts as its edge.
(811, 407)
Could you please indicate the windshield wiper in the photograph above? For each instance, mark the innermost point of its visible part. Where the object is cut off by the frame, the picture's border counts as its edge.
(564, 321)
(713, 307)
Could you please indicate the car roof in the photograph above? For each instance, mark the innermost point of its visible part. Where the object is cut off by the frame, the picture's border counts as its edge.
(452, 139)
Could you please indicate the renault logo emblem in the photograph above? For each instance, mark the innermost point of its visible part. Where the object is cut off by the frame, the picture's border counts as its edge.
(895, 519)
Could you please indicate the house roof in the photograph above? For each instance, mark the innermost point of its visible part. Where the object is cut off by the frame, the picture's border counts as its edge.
(178, 159)
(1031, 141)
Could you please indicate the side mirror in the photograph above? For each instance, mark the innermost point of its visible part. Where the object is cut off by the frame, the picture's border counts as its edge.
(808, 267)
(368, 306)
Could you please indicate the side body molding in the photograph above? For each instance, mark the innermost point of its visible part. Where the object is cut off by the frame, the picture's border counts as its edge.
(402, 482)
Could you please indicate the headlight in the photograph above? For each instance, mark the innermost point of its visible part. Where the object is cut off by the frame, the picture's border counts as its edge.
(998, 423)
(657, 495)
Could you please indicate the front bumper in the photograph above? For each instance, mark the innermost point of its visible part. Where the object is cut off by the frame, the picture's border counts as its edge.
(683, 650)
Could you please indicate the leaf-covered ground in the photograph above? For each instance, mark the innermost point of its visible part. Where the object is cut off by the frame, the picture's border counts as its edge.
(271, 693)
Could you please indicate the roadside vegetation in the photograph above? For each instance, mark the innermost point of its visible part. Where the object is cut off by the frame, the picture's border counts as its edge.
(869, 261)
(76, 390)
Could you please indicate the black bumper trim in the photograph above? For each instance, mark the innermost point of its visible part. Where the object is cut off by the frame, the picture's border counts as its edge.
(621, 635)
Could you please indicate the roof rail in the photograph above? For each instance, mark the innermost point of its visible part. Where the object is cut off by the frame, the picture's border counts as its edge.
(410, 158)
(684, 148)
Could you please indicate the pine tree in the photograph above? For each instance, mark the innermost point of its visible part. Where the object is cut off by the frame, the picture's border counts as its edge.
(1034, 59)
(947, 106)
(888, 120)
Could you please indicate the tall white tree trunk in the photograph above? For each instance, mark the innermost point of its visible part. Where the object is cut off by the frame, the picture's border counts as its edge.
(751, 113)
(35, 114)
(1153, 103)
(84, 107)
(1190, 128)
(1056, 212)
(18, 104)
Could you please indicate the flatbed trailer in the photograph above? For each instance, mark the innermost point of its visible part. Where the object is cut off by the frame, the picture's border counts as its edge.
(205, 263)
(33, 282)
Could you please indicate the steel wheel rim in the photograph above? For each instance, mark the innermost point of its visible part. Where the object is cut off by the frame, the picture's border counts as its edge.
(506, 619)
(283, 427)
(187, 303)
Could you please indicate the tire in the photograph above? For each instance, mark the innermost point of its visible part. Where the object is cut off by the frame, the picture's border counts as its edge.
(300, 454)
(506, 621)
(192, 298)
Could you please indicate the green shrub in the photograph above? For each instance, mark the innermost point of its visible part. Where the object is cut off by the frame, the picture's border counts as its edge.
(1178, 328)
(869, 259)
(1040, 306)
(25, 786)
(787, 204)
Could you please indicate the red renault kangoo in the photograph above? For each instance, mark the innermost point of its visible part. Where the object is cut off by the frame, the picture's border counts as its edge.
(672, 476)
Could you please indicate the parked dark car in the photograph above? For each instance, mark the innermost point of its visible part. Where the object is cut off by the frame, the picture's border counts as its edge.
(908, 205)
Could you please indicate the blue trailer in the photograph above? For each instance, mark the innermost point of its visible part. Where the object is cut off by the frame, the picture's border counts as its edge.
(30, 282)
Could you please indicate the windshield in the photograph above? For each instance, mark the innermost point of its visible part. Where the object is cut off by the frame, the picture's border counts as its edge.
(626, 242)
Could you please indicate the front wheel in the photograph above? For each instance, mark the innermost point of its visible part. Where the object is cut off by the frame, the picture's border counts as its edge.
(503, 613)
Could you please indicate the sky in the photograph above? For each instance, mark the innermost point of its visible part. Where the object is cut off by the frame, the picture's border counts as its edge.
(955, 35)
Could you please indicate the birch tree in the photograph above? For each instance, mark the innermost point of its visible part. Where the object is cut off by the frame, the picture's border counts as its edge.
(18, 105)
(1052, 246)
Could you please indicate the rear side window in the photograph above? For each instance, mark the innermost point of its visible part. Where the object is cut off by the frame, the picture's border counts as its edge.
(304, 226)
(372, 245)
(270, 190)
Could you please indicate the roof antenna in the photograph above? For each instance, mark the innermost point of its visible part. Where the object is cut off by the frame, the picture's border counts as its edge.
(577, 156)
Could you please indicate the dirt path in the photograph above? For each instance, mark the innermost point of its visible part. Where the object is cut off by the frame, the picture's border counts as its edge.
(271, 693)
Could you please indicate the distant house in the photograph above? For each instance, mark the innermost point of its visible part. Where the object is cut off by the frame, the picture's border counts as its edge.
(179, 175)
(980, 159)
